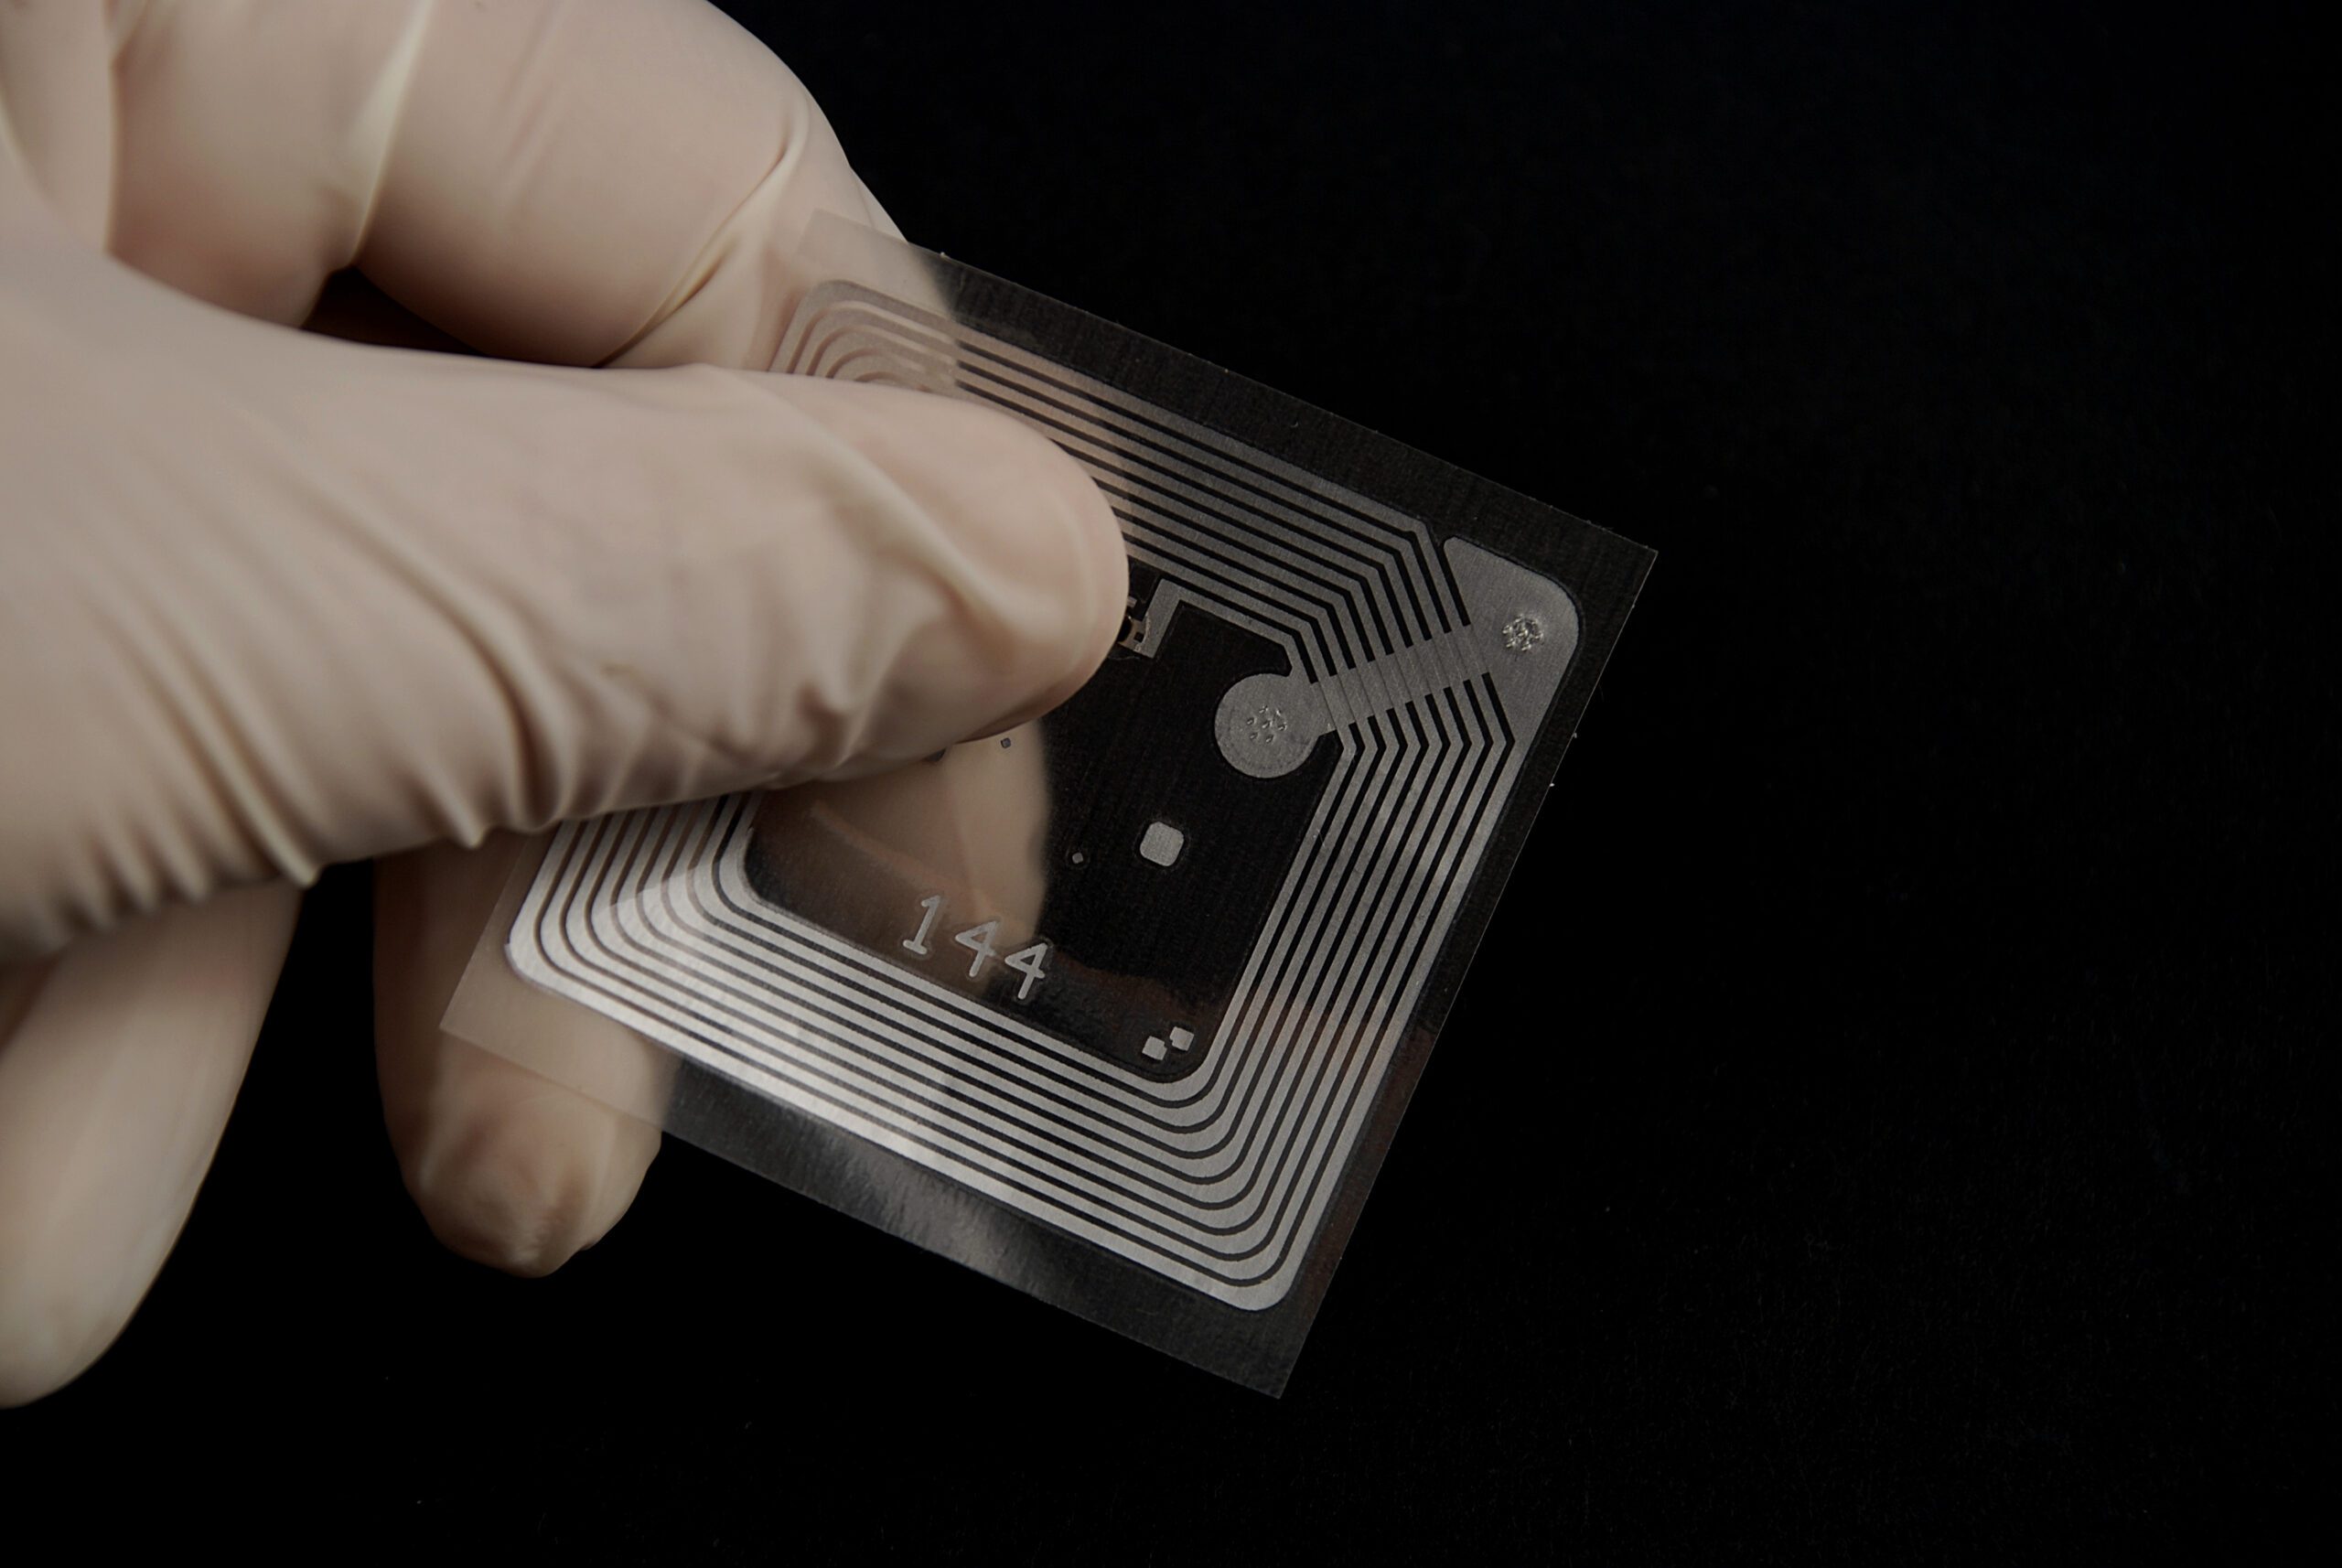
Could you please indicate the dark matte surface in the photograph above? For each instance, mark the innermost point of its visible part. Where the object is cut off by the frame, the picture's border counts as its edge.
(1886, 1120)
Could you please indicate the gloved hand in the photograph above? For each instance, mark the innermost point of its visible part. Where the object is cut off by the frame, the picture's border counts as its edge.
(270, 600)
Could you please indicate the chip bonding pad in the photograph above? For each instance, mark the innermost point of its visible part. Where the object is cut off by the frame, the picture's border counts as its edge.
(1121, 1007)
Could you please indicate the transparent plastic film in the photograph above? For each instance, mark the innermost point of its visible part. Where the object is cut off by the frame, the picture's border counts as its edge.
(1120, 1007)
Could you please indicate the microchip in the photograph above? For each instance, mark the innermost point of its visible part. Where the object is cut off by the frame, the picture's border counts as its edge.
(1122, 1007)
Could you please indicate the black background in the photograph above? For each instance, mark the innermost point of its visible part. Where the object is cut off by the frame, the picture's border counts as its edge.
(1883, 1120)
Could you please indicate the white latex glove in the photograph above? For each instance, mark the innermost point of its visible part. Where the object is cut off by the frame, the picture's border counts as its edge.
(270, 600)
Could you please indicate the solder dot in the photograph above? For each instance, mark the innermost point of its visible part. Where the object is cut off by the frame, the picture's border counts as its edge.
(1161, 844)
(1080, 857)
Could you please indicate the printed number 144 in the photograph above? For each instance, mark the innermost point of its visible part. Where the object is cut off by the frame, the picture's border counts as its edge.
(979, 939)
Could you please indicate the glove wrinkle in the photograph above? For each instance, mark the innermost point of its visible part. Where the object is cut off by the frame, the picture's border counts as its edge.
(374, 127)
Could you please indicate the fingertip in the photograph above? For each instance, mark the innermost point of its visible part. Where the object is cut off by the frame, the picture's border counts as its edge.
(509, 1168)
(514, 1171)
(117, 1072)
(980, 568)
(40, 1353)
(1094, 578)
(876, 213)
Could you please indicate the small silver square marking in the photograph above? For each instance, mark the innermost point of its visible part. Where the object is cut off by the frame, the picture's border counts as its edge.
(1161, 844)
